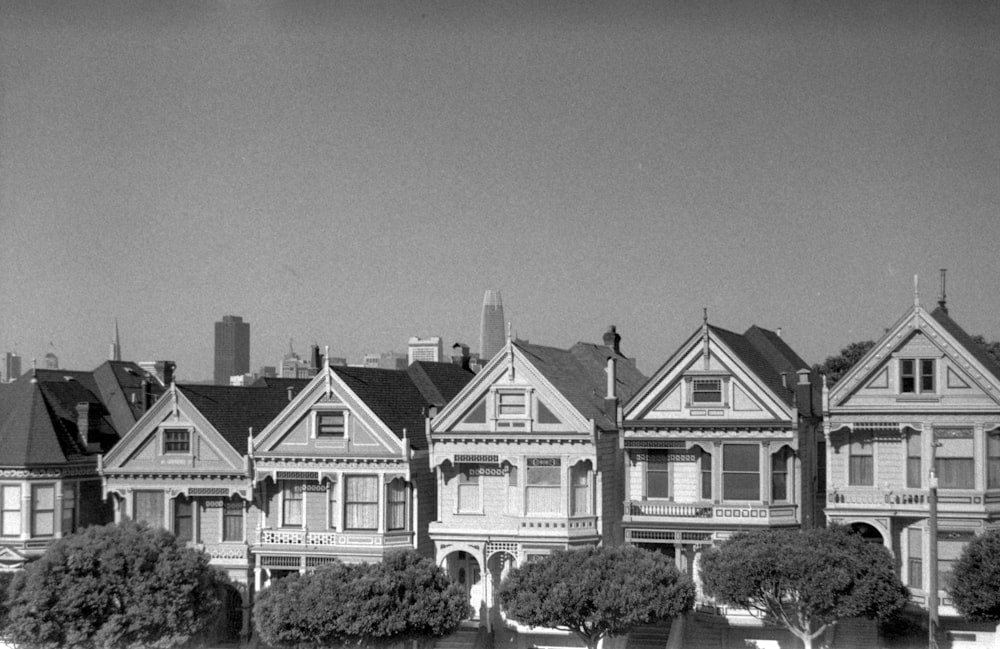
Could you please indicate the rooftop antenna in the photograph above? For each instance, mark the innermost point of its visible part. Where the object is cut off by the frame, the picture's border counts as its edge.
(704, 338)
(942, 301)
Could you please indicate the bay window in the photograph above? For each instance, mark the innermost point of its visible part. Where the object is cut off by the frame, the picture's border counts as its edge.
(469, 477)
(544, 485)
(361, 502)
(740, 472)
(396, 505)
(10, 510)
(232, 519)
(184, 519)
(861, 459)
(292, 498)
(148, 507)
(580, 485)
(954, 462)
(658, 474)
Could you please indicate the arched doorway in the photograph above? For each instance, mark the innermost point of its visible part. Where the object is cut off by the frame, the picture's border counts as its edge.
(463, 568)
(868, 532)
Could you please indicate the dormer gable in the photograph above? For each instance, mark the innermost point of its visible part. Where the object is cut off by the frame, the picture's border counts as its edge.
(328, 418)
(512, 396)
(715, 375)
(924, 361)
(173, 436)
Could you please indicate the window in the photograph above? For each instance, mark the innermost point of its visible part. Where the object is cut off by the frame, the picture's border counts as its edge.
(580, 484)
(149, 507)
(183, 519)
(706, 475)
(396, 505)
(741, 472)
(511, 404)
(916, 375)
(779, 475)
(232, 520)
(68, 508)
(657, 474)
(950, 546)
(954, 463)
(468, 489)
(914, 469)
(861, 459)
(915, 564)
(361, 502)
(993, 460)
(330, 424)
(43, 510)
(10, 514)
(543, 485)
(176, 440)
(292, 499)
(706, 391)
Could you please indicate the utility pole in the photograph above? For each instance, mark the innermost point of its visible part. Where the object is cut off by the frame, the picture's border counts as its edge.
(932, 586)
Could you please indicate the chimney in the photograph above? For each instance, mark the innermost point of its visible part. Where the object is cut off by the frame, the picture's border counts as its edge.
(612, 339)
(611, 393)
(168, 372)
(316, 358)
(460, 355)
(289, 393)
(803, 392)
(147, 395)
(942, 302)
(86, 425)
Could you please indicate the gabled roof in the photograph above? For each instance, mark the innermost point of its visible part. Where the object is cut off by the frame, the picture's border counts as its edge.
(234, 410)
(30, 434)
(400, 398)
(964, 339)
(579, 374)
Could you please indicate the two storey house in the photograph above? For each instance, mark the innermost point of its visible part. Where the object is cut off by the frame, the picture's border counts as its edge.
(526, 459)
(343, 473)
(185, 467)
(723, 438)
(924, 400)
(54, 424)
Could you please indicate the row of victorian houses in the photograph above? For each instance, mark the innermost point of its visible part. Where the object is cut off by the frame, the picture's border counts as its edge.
(544, 448)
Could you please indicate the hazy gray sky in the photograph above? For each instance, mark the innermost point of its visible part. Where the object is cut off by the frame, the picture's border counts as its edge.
(354, 173)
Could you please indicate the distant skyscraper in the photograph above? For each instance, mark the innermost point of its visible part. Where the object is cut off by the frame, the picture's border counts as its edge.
(116, 345)
(11, 367)
(425, 349)
(491, 336)
(232, 348)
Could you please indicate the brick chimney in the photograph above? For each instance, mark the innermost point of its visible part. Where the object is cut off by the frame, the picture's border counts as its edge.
(86, 425)
(612, 339)
(803, 393)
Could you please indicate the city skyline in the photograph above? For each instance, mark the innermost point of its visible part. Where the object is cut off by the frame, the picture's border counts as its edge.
(353, 174)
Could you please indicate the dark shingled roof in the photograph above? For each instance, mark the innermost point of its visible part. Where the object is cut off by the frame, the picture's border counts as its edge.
(964, 339)
(234, 410)
(579, 375)
(38, 412)
(439, 382)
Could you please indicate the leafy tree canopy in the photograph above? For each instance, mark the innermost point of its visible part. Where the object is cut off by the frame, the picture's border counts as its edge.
(804, 580)
(596, 592)
(113, 587)
(403, 597)
(975, 586)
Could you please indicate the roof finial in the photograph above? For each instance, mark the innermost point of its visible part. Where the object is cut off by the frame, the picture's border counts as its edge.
(326, 355)
(942, 301)
(508, 331)
(916, 290)
(704, 316)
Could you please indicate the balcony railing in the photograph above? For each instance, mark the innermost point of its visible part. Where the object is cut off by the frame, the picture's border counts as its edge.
(881, 497)
(674, 510)
(307, 538)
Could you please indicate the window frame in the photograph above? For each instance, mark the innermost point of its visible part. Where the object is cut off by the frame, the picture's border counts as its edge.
(726, 472)
(229, 505)
(580, 493)
(69, 505)
(399, 503)
(961, 467)
(317, 426)
(468, 478)
(187, 443)
(520, 410)
(37, 512)
(365, 504)
(292, 491)
(662, 471)
(993, 459)
(696, 380)
(914, 460)
(787, 459)
(856, 470)
(161, 505)
(918, 375)
(14, 513)
(540, 463)
(177, 518)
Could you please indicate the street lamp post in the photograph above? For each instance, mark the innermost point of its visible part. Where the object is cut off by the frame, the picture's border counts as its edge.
(932, 586)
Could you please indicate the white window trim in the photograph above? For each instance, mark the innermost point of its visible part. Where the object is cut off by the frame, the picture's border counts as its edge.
(222, 520)
(163, 441)
(281, 512)
(917, 375)
(526, 392)
(724, 389)
(479, 487)
(314, 424)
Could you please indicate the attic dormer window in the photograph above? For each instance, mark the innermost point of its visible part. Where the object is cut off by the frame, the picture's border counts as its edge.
(916, 375)
(706, 391)
(511, 404)
(330, 425)
(176, 440)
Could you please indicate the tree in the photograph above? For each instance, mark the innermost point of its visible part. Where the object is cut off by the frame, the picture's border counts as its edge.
(403, 597)
(596, 592)
(5, 579)
(992, 348)
(834, 367)
(975, 586)
(806, 580)
(113, 587)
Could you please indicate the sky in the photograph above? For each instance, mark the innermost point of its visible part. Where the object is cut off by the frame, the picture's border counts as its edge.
(351, 174)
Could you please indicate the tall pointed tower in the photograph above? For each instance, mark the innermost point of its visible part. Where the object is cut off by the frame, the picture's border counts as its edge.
(491, 332)
(116, 345)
